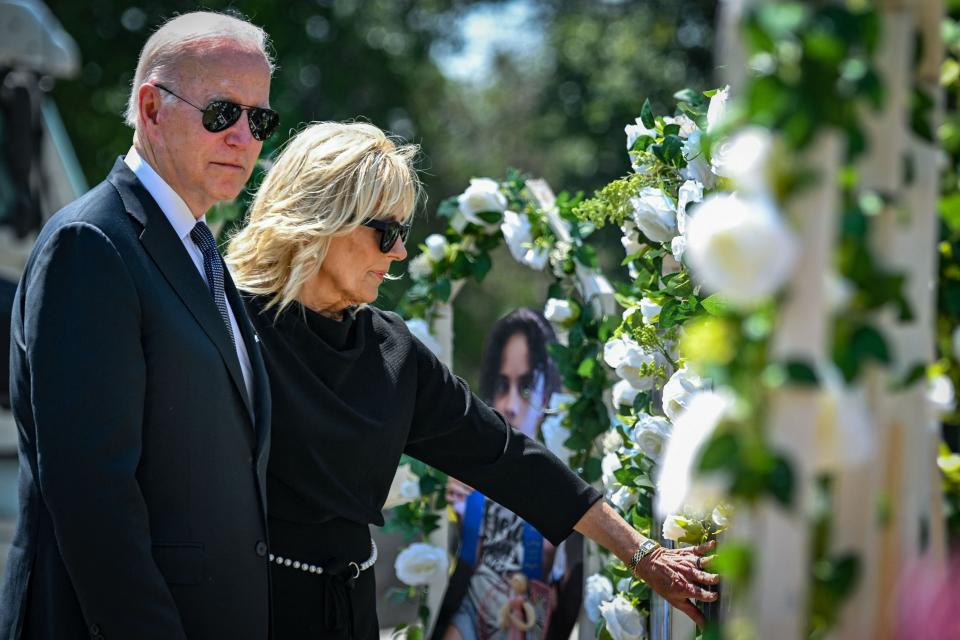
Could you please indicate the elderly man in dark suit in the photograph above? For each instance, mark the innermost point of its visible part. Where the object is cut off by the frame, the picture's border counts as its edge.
(137, 380)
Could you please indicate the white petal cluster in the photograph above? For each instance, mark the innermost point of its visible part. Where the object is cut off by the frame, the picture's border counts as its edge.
(741, 249)
(623, 394)
(554, 432)
(655, 214)
(623, 621)
(483, 195)
(743, 158)
(421, 331)
(609, 464)
(687, 126)
(627, 357)
(941, 395)
(673, 527)
(404, 488)
(436, 246)
(516, 230)
(624, 498)
(650, 434)
(690, 192)
(650, 310)
(717, 109)
(697, 169)
(420, 564)
(560, 311)
(420, 267)
(598, 590)
(636, 130)
(678, 484)
(630, 239)
(681, 386)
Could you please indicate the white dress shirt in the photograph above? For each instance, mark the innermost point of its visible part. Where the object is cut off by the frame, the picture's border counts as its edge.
(182, 220)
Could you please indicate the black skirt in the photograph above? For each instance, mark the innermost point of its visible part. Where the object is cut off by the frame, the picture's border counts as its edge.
(333, 604)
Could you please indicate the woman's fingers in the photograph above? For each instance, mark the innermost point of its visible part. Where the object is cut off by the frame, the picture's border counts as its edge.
(705, 548)
(705, 578)
(690, 609)
(699, 593)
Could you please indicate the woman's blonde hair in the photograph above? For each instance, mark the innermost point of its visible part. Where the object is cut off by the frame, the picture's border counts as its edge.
(328, 180)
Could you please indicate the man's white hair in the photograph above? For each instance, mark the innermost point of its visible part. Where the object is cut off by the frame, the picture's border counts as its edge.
(190, 34)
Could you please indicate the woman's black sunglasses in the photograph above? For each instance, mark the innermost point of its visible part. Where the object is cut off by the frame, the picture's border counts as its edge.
(222, 114)
(389, 230)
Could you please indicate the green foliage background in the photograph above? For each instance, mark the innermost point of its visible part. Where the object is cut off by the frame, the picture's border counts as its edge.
(558, 112)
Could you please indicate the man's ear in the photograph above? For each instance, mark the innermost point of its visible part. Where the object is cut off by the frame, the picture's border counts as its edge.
(148, 104)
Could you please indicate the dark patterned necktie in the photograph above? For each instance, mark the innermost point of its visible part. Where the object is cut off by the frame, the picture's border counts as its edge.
(213, 266)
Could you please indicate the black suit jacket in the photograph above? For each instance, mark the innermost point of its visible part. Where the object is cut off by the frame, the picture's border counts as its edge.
(142, 461)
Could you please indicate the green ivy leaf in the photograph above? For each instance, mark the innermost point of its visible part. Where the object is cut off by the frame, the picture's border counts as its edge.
(480, 266)
(721, 452)
(716, 305)
(781, 481)
(800, 373)
(591, 470)
(441, 289)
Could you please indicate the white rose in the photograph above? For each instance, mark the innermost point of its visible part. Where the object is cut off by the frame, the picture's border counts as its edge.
(627, 358)
(436, 246)
(678, 391)
(622, 620)
(608, 466)
(458, 221)
(420, 268)
(740, 249)
(421, 331)
(624, 498)
(649, 309)
(655, 214)
(516, 233)
(678, 246)
(673, 528)
(482, 196)
(636, 130)
(560, 312)
(598, 590)
(687, 126)
(721, 516)
(401, 490)
(623, 394)
(718, 108)
(744, 158)
(697, 168)
(420, 564)
(650, 433)
(554, 435)
(941, 395)
(678, 483)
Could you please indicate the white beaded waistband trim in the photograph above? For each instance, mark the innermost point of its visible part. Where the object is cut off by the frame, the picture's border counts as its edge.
(313, 568)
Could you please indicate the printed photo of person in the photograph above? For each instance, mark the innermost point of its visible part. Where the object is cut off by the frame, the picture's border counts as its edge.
(502, 561)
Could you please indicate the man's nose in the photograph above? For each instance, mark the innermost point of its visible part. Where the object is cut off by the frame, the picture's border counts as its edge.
(238, 134)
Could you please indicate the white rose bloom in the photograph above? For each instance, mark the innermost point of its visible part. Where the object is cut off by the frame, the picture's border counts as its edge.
(679, 389)
(677, 483)
(516, 232)
(610, 441)
(554, 435)
(650, 433)
(649, 309)
(697, 168)
(623, 584)
(483, 195)
(560, 311)
(623, 394)
(627, 357)
(536, 258)
(718, 107)
(458, 221)
(636, 130)
(624, 498)
(721, 516)
(436, 246)
(622, 620)
(678, 246)
(672, 527)
(655, 214)
(941, 395)
(420, 564)
(744, 158)
(690, 191)
(598, 589)
(400, 490)
(687, 126)
(421, 331)
(419, 267)
(741, 249)
(608, 465)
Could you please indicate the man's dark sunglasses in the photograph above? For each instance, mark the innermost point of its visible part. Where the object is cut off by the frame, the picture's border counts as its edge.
(389, 230)
(222, 114)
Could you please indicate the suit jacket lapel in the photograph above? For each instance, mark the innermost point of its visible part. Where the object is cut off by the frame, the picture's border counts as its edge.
(261, 388)
(166, 249)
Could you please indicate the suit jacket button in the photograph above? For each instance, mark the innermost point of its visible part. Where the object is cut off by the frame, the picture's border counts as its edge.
(261, 548)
